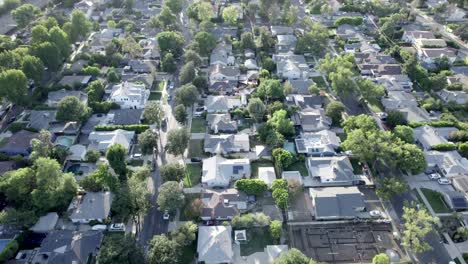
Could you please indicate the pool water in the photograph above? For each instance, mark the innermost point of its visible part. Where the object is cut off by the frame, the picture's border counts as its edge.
(65, 141)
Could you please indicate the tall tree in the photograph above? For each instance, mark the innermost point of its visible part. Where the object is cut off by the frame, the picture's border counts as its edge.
(170, 196)
(79, 26)
(230, 15)
(381, 258)
(49, 55)
(39, 34)
(293, 256)
(130, 46)
(175, 5)
(248, 41)
(14, 86)
(256, 109)
(341, 81)
(25, 14)
(282, 158)
(192, 56)
(168, 63)
(166, 19)
(335, 110)
(60, 39)
(41, 146)
(177, 141)
(163, 251)
(120, 249)
(187, 73)
(186, 95)
(315, 41)
(180, 113)
(116, 155)
(153, 113)
(148, 141)
(281, 123)
(71, 109)
(171, 41)
(172, 172)
(185, 234)
(33, 68)
(270, 89)
(418, 223)
(206, 42)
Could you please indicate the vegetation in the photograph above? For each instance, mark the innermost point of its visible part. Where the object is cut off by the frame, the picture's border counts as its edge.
(251, 186)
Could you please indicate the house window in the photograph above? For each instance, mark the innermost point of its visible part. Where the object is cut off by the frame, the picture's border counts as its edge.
(237, 169)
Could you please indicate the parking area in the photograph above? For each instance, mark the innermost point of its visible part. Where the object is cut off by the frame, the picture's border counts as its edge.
(423, 181)
(343, 242)
(300, 208)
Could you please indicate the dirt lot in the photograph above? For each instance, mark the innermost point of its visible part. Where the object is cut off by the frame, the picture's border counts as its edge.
(343, 242)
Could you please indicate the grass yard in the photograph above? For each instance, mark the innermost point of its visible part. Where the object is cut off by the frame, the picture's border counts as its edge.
(136, 163)
(357, 168)
(375, 106)
(196, 148)
(155, 96)
(198, 125)
(319, 81)
(193, 176)
(257, 164)
(159, 86)
(298, 166)
(187, 253)
(257, 240)
(436, 201)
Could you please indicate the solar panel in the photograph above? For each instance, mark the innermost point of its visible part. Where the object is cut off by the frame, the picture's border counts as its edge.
(459, 202)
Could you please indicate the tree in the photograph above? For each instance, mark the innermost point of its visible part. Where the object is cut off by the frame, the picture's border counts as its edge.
(162, 251)
(170, 196)
(49, 55)
(282, 158)
(200, 11)
(276, 229)
(41, 146)
(39, 34)
(167, 19)
(186, 95)
(187, 73)
(256, 109)
(404, 133)
(341, 81)
(395, 118)
(101, 179)
(92, 155)
(185, 234)
(174, 5)
(334, 110)
(206, 42)
(315, 41)
(153, 113)
(463, 149)
(391, 186)
(130, 46)
(33, 68)
(270, 89)
(381, 258)
(411, 158)
(116, 155)
(290, 15)
(442, 63)
(148, 141)
(180, 113)
(79, 26)
(314, 90)
(250, 220)
(112, 76)
(248, 41)
(25, 14)
(251, 186)
(418, 223)
(71, 109)
(293, 256)
(206, 25)
(171, 41)
(177, 141)
(17, 186)
(60, 39)
(369, 90)
(266, 39)
(364, 122)
(192, 56)
(91, 70)
(95, 91)
(230, 15)
(168, 63)
(120, 249)
(201, 82)
(281, 123)
(14, 86)
(438, 82)
(172, 172)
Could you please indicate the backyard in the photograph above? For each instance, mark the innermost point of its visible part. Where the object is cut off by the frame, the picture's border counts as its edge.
(257, 240)
(154, 96)
(300, 167)
(257, 164)
(319, 81)
(196, 148)
(436, 201)
(193, 176)
(198, 125)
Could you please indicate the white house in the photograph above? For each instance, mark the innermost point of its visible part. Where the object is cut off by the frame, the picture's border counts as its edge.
(332, 171)
(267, 175)
(449, 163)
(214, 245)
(222, 204)
(101, 140)
(220, 72)
(427, 136)
(219, 172)
(458, 97)
(129, 95)
(290, 66)
(90, 206)
(412, 36)
(321, 143)
(86, 7)
(225, 144)
(429, 56)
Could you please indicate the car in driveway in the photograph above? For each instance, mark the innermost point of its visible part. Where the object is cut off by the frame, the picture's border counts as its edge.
(119, 227)
(166, 215)
(444, 181)
(434, 176)
(199, 111)
(382, 115)
(377, 214)
(195, 159)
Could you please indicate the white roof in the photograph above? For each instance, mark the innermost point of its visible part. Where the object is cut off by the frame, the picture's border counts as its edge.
(292, 176)
(267, 174)
(45, 223)
(77, 152)
(214, 244)
(129, 89)
(105, 139)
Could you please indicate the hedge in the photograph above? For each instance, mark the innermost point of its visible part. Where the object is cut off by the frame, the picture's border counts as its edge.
(355, 21)
(9, 251)
(138, 128)
(251, 186)
(459, 125)
(444, 147)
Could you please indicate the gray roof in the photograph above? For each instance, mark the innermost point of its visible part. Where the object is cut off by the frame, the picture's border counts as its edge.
(72, 80)
(45, 223)
(301, 86)
(65, 246)
(306, 101)
(92, 205)
(332, 170)
(374, 58)
(215, 206)
(225, 70)
(56, 96)
(20, 141)
(214, 244)
(460, 69)
(6, 166)
(311, 120)
(126, 116)
(337, 202)
(221, 123)
(41, 119)
(223, 86)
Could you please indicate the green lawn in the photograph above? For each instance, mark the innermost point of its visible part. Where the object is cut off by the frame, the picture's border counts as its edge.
(198, 125)
(187, 253)
(193, 176)
(375, 106)
(298, 166)
(159, 86)
(436, 201)
(196, 148)
(155, 96)
(257, 164)
(357, 169)
(257, 240)
(136, 163)
(319, 81)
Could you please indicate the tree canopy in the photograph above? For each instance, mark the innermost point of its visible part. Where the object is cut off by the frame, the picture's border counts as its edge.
(116, 155)
(71, 109)
(170, 196)
(418, 223)
(171, 41)
(177, 141)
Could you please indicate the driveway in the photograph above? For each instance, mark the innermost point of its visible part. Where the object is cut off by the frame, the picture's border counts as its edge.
(422, 181)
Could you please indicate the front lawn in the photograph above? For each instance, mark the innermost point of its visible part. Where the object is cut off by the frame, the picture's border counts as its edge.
(193, 176)
(155, 96)
(257, 164)
(257, 240)
(300, 167)
(196, 148)
(319, 81)
(187, 253)
(436, 201)
(135, 163)
(198, 125)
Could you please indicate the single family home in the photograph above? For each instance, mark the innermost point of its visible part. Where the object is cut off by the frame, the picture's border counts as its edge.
(219, 172)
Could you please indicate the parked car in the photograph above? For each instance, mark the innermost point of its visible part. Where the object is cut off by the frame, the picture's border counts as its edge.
(166, 215)
(12, 119)
(169, 97)
(99, 227)
(444, 181)
(377, 214)
(382, 115)
(171, 86)
(434, 176)
(119, 227)
(195, 159)
(199, 111)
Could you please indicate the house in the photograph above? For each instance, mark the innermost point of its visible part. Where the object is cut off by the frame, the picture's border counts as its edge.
(65, 246)
(363, 47)
(41, 119)
(146, 79)
(101, 140)
(251, 64)
(267, 175)
(222, 54)
(281, 30)
(290, 66)
(219, 172)
(220, 72)
(311, 120)
(332, 171)
(99, 41)
(65, 128)
(85, 6)
(53, 98)
(455, 200)
(214, 245)
(125, 116)
(449, 163)
(129, 95)
(19, 143)
(90, 206)
(285, 43)
(223, 87)
(374, 58)
(321, 143)
(377, 70)
(429, 43)
(349, 33)
(274, 251)
(334, 203)
(301, 86)
(46, 223)
(78, 65)
(225, 144)
(457, 97)
(222, 204)
(398, 99)
(142, 66)
(412, 36)
(150, 49)
(77, 152)
(221, 123)
(399, 82)
(73, 81)
(222, 103)
(427, 136)
(291, 176)
(305, 101)
(429, 56)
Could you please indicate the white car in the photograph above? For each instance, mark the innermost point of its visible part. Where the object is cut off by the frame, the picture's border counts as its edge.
(120, 227)
(171, 86)
(99, 227)
(434, 176)
(444, 181)
(377, 214)
(382, 115)
(166, 215)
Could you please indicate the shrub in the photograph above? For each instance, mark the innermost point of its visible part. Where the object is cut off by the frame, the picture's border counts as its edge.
(251, 186)
(92, 155)
(355, 21)
(444, 147)
(103, 107)
(459, 136)
(250, 220)
(434, 124)
(17, 126)
(9, 251)
(138, 128)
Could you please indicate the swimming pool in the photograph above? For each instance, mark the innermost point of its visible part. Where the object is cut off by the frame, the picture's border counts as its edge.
(66, 141)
